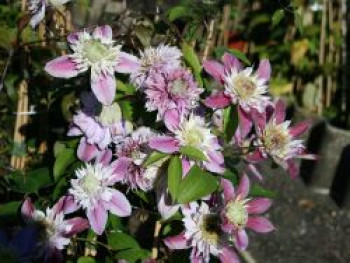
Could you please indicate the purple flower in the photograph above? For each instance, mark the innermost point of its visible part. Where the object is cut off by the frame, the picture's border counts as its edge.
(174, 89)
(190, 131)
(276, 139)
(240, 212)
(98, 52)
(203, 234)
(153, 61)
(132, 152)
(93, 191)
(57, 230)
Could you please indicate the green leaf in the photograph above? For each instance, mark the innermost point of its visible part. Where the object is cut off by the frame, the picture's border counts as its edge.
(277, 17)
(196, 185)
(298, 22)
(230, 122)
(193, 153)
(178, 12)
(258, 191)
(219, 51)
(192, 60)
(174, 176)
(133, 255)
(30, 182)
(119, 240)
(9, 212)
(86, 260)
(65, 158)
(154, 157)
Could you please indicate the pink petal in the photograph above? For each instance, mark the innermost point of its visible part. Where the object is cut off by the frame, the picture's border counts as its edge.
(78, 224)
(292, 169)
(66, 205)
(73, 37)
(97, 216)
(245, 122)
(241, 239)
(215, 163)
(103, 32)
(231, 62)
(299, 129)
(27, 208)
(38, 16)
(172, 119)
(260, 119)
(226, 226)
(61, 67)
(218, 100)
(280, 111)
(254, 171)
(86, 151)
(255, 157)
(264, 70)
(260, 224)
(104, 87)
(119, 204)
(215, 69)
(104, 157)
(229, 190)
(227, 255)
(176, 242)
(243, 187)
(259, 205)
(165, 144)
(186, 166)
(74, 131)
(120, 167)
(127, 63)
(165, 207)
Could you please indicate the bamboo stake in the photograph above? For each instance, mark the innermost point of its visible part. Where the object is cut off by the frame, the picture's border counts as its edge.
(155, 242)
(223, 37)
(330, 53)
(209, 39)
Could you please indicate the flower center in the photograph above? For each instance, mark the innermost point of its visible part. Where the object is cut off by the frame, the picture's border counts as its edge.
(95, 51)
(193, 137)
(110, 114)
(244, 87)
(210, 229)
(90, 183)
(178, 87)
(275, 140)
(236, 213)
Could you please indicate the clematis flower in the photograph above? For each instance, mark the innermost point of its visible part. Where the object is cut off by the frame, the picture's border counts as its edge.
(278, 140)
(155, 60)
(203, 234)
(241, 212)
(97, 51)
(190, 131)
(37, 9)
(93, 191)
(57, 230)
(132, 152)
(174, 89)
(99, 129)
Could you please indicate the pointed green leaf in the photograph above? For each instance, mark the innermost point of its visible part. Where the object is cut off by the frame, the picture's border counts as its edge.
(65, 158)
(119, 240)
(154, 157)
(174, 176)
(178, 12)
(277, 17)
(192, 60)
(230, 122)
(193, 153)
(196, 185)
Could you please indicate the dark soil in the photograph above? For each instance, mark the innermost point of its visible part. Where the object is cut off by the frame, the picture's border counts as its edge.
(309, 227)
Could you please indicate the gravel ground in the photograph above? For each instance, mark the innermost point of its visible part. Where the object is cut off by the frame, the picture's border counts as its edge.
(309, 227)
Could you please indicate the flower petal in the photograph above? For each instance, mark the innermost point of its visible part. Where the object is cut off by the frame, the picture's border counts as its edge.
(299, 129)
(165, 144)
(218, 100)
(61, 67)
(119, 204)
(97, 216)
(260, 224)
(243, 187)
(254, 171)
(292, 169)
(215, 163)
(78, 224)
(172, 119)
(104, 87)
(86, 151)
(176, 242)
(264, 69)
(103, 32)
(241, 239)
(127, 63)
(280, 111)
(227, 255)
(259, 205)
(231, 62)
(229, 190)
(120, 167)
(27, 208)
(104, 157)
(214, 69)
(66, 204)
(38, 16)
(245, 122)
(255, 157)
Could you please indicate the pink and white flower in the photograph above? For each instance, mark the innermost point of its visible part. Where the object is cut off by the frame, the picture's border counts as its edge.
(37, 9)
(190, 131)
(241, 212)
(155, 60)
(99, 130)
(56, 229)
(132, 153)
(203, 234)
(173, 89)
(241, 86)
(97, 51)
(93, 191)
(278, 140)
